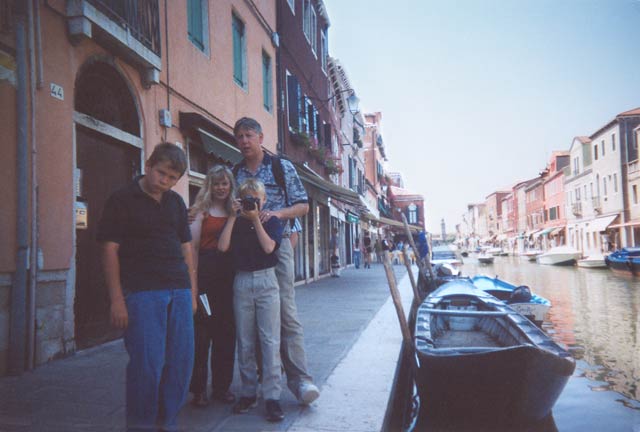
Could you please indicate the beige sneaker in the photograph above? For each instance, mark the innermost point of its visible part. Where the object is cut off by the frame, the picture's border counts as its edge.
(308, 392)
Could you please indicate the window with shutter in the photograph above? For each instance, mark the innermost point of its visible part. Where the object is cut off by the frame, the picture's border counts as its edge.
(266, 81)
(293, 103)
(239, 60)
(197, 22)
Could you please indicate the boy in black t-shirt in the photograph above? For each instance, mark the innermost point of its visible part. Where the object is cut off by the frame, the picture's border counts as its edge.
(256, 298)
(149, 272)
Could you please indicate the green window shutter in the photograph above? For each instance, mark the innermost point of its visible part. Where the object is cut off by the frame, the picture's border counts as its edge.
(266, 81)
(238, 40)
(194, 12)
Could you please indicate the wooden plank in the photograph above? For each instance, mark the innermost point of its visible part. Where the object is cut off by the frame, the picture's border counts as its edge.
(458, 312)
(407, 263)
(397, 300)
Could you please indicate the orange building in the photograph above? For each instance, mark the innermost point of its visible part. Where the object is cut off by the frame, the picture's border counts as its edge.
(108, 82)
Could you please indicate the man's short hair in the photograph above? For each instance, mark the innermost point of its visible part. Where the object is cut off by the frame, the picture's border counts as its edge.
(247, 123)
(167, 152)
(252, 185)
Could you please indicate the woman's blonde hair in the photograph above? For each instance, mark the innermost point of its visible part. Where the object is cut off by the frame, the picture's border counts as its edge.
(204, 199)
(252, 185)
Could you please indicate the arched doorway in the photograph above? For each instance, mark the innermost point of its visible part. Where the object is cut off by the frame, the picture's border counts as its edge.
(108, 155)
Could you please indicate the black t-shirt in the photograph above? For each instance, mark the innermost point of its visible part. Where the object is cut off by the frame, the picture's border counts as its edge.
(247, 253)
(150, 235)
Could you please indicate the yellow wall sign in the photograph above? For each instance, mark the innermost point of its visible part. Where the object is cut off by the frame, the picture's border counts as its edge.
(82, 220)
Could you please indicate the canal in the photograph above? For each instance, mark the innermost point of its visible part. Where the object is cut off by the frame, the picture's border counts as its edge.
(597, 316)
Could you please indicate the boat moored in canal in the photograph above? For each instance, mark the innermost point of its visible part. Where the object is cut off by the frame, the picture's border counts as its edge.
(520, 298)
(561, 255)
(479, 358)
(625, 261)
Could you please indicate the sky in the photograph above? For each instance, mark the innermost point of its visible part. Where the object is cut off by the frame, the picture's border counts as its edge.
(475, 95)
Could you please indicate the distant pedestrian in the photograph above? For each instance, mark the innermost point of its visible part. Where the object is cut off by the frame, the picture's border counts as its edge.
(256, 298)
(150, 275)
(215, 335)
(357, 253)
(368, 249)
(335, 254)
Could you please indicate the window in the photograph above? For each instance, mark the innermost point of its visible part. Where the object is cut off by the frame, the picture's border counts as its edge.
(615, 182)
(602, 147)
(292, 5)
(585, 192)
(198, 23)
(314, 31)
(576, 166)
(412, 213)
(577, 194)
(239, 52)
(324, 50)
(293, 101)
(634, 189)
(613, 142)
(604, 186)
(595, 152)
(553, 213)
(309, 23)
(267, 83)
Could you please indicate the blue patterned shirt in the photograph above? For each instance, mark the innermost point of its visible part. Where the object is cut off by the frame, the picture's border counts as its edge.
(275, 195)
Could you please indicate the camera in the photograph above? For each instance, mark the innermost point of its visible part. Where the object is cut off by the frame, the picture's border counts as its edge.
(250, 203)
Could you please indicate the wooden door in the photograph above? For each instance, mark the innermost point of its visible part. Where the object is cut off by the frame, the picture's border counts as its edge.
(104, 165)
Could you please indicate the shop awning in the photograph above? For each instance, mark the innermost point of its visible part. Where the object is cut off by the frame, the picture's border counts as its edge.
(530, 233)
(501, 237)
(218, 147)
(333, 190)
(601, 224)
(556, 231)
(626, 224)
(395, 223)
(545, 231)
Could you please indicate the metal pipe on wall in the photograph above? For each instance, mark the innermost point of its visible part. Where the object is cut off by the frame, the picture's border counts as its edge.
(38, 29)
(33, 250)
(17, 324)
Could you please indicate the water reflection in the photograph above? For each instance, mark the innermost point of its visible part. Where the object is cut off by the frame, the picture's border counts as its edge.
(594, 313)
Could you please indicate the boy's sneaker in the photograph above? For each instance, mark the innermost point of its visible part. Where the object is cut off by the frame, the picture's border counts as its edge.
(245, 404)
(274, 411)
(308, 392)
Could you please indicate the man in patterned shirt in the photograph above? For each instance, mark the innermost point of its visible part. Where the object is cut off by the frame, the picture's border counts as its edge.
(258, 164)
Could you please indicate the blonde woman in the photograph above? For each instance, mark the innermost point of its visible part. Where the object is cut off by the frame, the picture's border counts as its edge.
(215, 333)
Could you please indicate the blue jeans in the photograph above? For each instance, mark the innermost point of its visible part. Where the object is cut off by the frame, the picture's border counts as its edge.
(356, 258)
(159, 340)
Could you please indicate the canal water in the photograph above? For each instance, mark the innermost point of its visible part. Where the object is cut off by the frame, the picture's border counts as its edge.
(596, 315)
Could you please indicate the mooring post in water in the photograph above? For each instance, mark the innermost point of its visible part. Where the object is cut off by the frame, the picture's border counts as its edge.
(417, 252)
(397, 300)
(407, 263)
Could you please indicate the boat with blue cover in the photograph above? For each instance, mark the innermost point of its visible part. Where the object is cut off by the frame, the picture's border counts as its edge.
(625, 261)
(520, 298)
(479, 360)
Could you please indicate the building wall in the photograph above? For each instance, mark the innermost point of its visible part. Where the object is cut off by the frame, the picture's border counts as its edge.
(200, 83)
(607, 170)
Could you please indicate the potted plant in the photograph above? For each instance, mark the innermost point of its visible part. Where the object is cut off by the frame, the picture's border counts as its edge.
(300, 139)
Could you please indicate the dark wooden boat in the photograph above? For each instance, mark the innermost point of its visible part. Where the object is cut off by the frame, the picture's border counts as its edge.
(625, 261)
(480, 360)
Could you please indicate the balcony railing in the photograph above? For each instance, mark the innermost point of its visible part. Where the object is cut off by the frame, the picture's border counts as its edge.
(129, 27)
(140, 17)
(576, 208)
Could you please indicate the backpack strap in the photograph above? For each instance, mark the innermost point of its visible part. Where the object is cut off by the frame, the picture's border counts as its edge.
(278, 174)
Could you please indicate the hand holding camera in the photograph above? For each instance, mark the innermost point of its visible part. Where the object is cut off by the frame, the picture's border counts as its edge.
(250, 207)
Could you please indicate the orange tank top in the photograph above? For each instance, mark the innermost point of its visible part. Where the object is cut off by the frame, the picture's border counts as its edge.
(211, 229)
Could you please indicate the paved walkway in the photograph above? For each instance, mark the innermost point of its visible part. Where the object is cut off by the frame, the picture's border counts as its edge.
(352, 338)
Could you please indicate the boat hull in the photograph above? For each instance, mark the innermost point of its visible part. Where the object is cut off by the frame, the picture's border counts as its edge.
(487, 384)
(559, 260)
(515, 385)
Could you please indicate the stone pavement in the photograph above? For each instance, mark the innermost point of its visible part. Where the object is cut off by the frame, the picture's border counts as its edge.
(352, 339)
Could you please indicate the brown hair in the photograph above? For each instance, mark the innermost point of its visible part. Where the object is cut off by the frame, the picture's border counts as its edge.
(167, 152)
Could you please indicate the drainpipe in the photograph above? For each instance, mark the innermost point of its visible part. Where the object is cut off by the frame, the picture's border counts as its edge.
(17, 323)
(33, 250)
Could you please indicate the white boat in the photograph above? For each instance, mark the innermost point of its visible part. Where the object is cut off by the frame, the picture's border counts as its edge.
(485, 258)
(532, 254)
(593, 261)
(562, 255)
(495, 251)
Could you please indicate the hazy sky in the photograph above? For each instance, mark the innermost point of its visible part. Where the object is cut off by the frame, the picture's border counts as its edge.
(475, 95)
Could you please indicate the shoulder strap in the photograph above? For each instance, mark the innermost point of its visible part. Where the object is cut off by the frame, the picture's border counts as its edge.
(278, 176)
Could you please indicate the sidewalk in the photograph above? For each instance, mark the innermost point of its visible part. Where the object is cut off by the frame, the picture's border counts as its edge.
(352, 339)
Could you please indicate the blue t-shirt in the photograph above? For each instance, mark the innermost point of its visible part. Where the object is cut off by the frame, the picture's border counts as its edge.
(246, 250)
